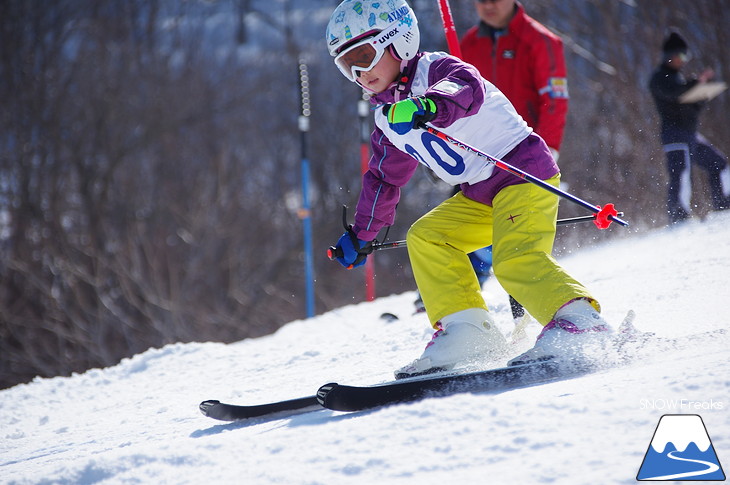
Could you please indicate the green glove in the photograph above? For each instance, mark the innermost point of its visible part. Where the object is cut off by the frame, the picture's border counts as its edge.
(410, 113)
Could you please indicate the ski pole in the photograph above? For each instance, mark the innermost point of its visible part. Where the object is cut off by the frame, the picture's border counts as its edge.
(447, 21)
(377, 246)
(573, 220)
(333, 253)
(603, 215)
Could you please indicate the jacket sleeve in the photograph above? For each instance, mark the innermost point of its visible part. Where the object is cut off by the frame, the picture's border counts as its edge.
(550, 76)
(667, 89)
(456, 87)
(388, 170)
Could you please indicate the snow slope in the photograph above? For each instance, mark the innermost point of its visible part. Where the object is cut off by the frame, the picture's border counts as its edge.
(137, 422)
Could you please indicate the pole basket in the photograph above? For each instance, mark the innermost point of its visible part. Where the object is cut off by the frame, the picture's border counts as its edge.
(605, 216)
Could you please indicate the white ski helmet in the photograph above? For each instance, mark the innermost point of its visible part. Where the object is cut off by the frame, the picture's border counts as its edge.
(356, 23)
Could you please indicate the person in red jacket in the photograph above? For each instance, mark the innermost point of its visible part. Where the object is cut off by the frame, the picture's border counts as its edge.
(525, 61)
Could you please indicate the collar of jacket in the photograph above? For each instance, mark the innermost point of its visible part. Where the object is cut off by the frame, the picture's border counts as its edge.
(515, 25)
(402, 87)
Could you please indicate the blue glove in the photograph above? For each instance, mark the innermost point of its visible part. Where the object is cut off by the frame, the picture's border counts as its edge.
(410, 113)
(350, 251)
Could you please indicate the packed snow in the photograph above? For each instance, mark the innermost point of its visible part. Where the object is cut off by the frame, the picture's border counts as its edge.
(138, 422)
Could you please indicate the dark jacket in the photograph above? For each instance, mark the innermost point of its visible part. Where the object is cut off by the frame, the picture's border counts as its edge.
(679, 120)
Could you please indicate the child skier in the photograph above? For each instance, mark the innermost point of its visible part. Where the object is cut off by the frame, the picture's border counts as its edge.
(375, 44)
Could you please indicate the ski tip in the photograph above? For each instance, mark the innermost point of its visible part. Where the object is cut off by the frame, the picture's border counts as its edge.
(206, 406)
(389, 317)
(324, 391)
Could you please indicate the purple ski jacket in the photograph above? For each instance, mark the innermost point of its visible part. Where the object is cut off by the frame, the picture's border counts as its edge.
(470, 109)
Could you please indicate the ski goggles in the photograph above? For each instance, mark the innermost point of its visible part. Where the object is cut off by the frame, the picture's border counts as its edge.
(364, 54)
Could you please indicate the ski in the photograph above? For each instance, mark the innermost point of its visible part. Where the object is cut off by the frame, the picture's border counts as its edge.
(352, 398)
(233, 412)
(340, 397)
(630, 344)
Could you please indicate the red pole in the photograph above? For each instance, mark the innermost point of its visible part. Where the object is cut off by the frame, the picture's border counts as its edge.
(449, 29)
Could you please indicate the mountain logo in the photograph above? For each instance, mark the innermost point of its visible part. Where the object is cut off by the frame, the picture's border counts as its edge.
(681, 450)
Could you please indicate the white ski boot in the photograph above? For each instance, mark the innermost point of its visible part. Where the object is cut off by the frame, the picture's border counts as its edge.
(463, 336)
(577, 332)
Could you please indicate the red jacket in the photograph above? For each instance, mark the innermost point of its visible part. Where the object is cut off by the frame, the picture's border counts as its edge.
(527, 64)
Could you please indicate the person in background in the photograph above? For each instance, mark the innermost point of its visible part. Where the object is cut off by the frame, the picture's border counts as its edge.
(525, 61)
(682, 143)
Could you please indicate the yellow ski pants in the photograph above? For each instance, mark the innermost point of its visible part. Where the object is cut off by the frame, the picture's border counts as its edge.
(520, 226)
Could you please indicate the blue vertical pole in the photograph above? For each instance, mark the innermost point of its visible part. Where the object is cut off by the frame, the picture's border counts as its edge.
(305, 211)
